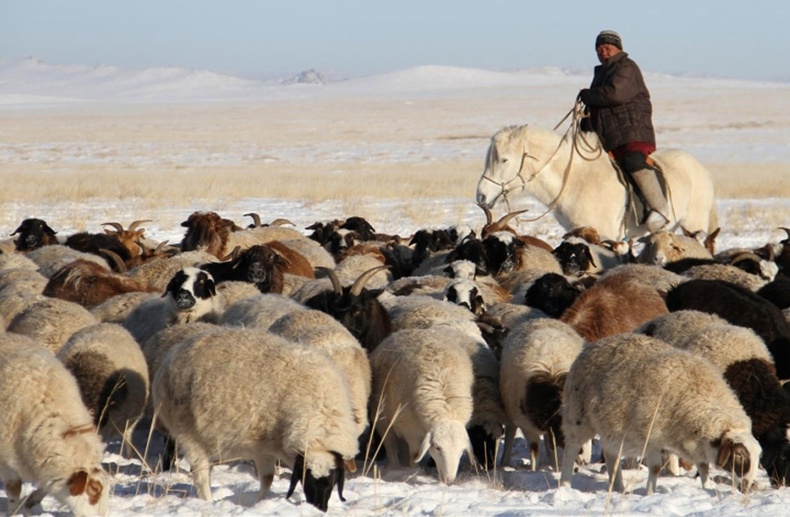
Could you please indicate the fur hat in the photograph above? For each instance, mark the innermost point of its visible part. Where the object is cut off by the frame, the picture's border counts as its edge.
(609, 37)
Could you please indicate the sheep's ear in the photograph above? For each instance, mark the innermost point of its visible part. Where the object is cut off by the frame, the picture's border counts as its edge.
(471, 453)
(77, 483)
(589, 255)
(424, 446)
(733, 457)
(296, 475)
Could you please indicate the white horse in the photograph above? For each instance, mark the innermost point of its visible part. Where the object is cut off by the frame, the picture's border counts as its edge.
(589, 191)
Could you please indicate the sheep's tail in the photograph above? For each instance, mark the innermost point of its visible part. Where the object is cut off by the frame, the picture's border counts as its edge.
(543, 402)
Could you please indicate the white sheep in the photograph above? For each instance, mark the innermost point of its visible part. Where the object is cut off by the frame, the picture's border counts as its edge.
(319, 329)
(727, 273)
(259, 398)
(353, 266)
(53, 258)
(13, 302)
(117, 308)
(261, 235)
(315, 254)
(662, 248)
(421, 312)
(46, 432)
(16, 260)
(112, 375)
(509, 315)
(231, 291)
(642, 397)
(744, 360)
(422, 394)
(259, 311)
(51, 321)
(711, 337)
(658, 278)
(158, 273)
(190, 296)
(536, 358)
(23, 278)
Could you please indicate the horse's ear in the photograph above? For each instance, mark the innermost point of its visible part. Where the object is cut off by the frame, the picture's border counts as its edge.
(520, 133)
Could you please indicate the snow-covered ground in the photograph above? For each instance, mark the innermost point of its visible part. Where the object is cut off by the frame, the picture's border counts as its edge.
(718, 120)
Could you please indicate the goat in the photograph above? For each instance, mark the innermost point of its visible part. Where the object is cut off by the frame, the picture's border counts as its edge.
(130, 237)
(89, 284)
(357, 308)
(33, 234)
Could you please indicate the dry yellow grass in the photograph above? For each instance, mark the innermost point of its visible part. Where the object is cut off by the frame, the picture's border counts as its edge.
(315, 149)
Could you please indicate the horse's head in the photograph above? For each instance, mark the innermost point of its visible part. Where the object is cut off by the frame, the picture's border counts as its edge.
(503, 166)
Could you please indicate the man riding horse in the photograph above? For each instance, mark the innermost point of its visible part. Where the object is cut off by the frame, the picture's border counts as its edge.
(620, 112)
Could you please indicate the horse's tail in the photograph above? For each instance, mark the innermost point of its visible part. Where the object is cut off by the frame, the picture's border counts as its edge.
(713, 218)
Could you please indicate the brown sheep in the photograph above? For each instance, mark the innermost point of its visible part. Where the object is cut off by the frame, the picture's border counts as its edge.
(613, 305)
(89, 284)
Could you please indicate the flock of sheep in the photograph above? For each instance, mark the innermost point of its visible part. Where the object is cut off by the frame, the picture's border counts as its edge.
(322, 350)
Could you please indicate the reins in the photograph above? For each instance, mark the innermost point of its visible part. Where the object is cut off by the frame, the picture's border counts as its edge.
(577, 139)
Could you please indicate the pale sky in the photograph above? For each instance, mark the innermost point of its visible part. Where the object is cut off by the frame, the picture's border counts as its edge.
(727, 38)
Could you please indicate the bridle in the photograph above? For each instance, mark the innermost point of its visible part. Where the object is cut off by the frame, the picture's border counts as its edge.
(504, 186)
(578, 113)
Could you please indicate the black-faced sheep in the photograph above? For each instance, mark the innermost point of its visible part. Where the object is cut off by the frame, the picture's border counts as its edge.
(320, 330)
(747, 366)
(46, 434)
(552, 293)
(190, 296)
(422, 395)
(485, 428)
(259, 399)
(643, 397)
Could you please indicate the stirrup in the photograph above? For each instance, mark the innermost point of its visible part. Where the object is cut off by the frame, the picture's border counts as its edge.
(656, 221)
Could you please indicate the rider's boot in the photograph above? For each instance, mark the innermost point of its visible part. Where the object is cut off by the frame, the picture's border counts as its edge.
(648, 184)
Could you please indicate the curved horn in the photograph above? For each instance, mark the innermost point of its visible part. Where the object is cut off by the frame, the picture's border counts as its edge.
(233, 255)
(333, 278)
(117, 226)
(360, 282)
(281, 221)
(116, 259)
(489, 215)
(506, 218)
(787, 231)
(746, 255)
(256, 219)
(135, 224)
